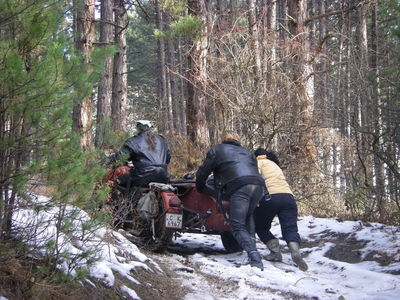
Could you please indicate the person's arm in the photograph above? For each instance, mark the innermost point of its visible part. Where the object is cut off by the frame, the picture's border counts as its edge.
(262, 168)
(168, 156)
(205, 170)
(122, 155)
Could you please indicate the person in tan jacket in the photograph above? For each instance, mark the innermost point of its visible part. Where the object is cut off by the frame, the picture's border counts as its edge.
(283, 204)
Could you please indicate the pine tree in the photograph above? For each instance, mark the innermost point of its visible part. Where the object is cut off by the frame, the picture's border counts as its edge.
(40, 78)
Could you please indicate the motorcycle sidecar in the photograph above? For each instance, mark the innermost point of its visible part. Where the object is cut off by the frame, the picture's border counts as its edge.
(153, 214)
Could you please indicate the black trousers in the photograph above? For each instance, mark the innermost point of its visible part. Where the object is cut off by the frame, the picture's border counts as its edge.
(284, 206)
(142, 177)
(242, 203)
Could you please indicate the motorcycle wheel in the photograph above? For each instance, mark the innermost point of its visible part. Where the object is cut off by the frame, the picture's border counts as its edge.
(141, 230)
(229, 242)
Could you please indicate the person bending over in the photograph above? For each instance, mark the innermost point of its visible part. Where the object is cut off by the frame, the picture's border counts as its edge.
(236, 179)
(282, 204)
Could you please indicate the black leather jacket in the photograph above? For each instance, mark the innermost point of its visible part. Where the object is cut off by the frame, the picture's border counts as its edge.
(147, 163)
(232, 165)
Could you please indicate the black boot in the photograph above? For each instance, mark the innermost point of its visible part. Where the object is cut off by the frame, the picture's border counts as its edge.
(255, 260)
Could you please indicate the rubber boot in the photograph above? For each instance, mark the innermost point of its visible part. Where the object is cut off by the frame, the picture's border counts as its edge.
(255, 260)
(294, 248)
(273, 246)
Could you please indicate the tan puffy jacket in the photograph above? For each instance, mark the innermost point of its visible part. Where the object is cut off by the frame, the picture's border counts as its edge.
(274, 178)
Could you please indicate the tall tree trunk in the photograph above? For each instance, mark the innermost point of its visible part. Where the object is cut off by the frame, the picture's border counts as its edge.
(119, 85)
(105, 85)
(326, 107)
(182, 88)
(349, 111)
(364, 99)
(377, 119)
(393, 183)
(270, 27)
(283, 19)
(84, 35)
(303, 77)
(254, 33)
(223, 20)
(341, 106)
(169, 121)
(162, 74)
(173, 119)
(197, 99)
(176, 122)
(6, 165)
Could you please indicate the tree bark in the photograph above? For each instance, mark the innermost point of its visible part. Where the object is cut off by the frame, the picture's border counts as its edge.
(283, 19)
(377, 119)
(119, 86)
(197, 99)
(341, 103)
(84, 36)
(254, 33)
(182, 88)
(162, 74)
(176, 121)
(105, 85)
(270, 27)
(303, 77)
(173, 117)
(363, 127)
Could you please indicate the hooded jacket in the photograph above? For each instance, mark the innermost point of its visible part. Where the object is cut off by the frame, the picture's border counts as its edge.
(232, 165)
(274, 178)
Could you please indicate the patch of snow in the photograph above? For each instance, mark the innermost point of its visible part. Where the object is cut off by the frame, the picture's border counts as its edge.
(325, 279)
(113, 252)
(130, 292)
(212, 273)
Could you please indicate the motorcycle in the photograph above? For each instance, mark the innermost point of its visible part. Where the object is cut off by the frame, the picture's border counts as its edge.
(155, 213)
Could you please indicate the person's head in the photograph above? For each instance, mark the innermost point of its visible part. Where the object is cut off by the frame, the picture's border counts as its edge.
(269, 154)
(229, 136)
(260, 151)
(143, 125)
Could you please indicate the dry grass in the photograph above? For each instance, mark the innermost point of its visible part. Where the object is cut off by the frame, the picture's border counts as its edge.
(20, 279)
(186, 157)
(156, 285)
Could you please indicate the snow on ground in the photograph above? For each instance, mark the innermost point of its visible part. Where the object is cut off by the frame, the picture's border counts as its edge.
(325, 279)
(78, 239)
(208, 272)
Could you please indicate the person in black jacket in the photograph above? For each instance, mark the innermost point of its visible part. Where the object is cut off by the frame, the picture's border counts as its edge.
(236, 179)
(149, 154)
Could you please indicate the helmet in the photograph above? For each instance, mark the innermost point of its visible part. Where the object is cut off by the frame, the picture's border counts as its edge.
(144, 123)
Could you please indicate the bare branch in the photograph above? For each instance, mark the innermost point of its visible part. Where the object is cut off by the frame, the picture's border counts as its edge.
(108, 22)
(338, 12)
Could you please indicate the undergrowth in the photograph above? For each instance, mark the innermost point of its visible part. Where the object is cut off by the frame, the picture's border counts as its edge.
(24, 277)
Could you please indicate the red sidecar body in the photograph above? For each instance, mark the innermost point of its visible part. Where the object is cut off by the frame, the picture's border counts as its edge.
(181, 208)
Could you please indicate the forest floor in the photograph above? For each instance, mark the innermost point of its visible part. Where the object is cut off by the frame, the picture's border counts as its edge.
(346, 259)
